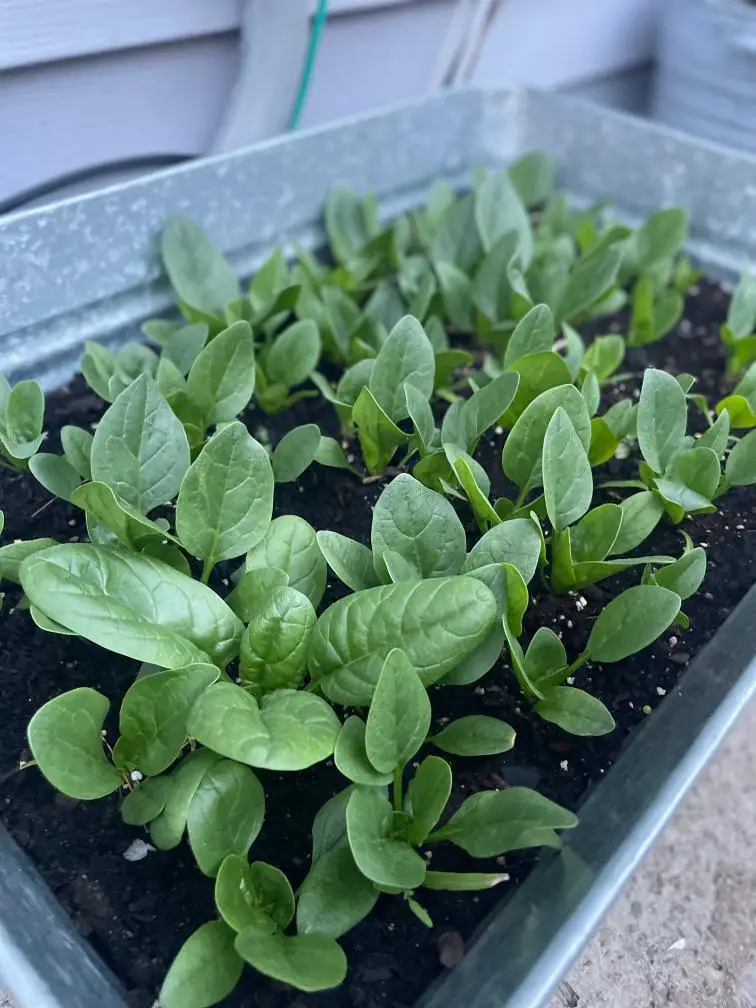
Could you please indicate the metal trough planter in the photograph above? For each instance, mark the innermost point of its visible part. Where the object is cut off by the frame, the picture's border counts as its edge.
(88, 268)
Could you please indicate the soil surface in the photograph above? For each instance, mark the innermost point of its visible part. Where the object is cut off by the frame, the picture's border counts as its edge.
(136, 915)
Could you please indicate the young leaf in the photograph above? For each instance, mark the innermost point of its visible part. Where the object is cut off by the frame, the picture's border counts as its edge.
(256, 894)
(641, 514)
(131, 604)
(490, 823)
(345, 224)
(463, 881)
(274, 644)
(591, 278)
(335, 896)
(716, 437)
(662, 418)
(545, 660)
(594, 536)
(350, 561)
(740, 469)
(225, 814)
(295, 452)
(523, 449)
(604, 356)
(475, 735)
(437, 623)
(538, 372)
(205, 971)
(65, 737)
(533, 175)
(198, 272)
(309, 962)
(499, 210)
(222, 378)
(483, 409)
(685, 576)
(154, 714)
(399, 569)
(55, 473)
(140, 448)
(290, 544)
(168, 828)
(21, 428)
(399, 716)
(418, 524)
(294, 354)
(184, 345)
(288, 730)
(576, 711)
(253, 590)
(77, 447)
(378, 856)
(405, 357)
(456, 292)
(225, 504)
(567, 476)
(533, 333)
(111, 514)
(350, 755)
(426, 798)
(516, 541)
(146, 801)
(379, 436)
(631, 621)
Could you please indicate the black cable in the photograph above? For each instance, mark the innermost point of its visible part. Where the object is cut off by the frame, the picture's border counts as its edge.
(147, 162)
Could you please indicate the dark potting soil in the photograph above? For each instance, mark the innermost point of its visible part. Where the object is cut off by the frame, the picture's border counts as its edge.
(136, 915)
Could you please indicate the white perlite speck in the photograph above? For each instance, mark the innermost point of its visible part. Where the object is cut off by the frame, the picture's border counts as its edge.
(137, 850)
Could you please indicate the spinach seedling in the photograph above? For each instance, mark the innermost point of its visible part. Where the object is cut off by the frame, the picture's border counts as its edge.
(365, 843)
(22, 416)
(629, 623)
(739, 330)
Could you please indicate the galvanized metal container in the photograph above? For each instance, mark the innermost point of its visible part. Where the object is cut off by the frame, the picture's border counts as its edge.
(706, 69)
(88, 268)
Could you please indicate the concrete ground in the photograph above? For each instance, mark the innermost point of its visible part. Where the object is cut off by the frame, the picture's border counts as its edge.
(683, 935)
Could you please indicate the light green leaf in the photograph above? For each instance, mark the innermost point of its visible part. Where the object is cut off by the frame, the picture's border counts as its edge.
(576, 711)
(13, 554)
(154, 714)
(399, 716)
(499, 210)
(475, 735)
(350, 561)
(168, 828)
(384, 860)
(291, 545)
(463, 881)
(632, 621)
(256, 894)
(533, 175)
(253, 590)
(222, 378)
(716, 437)
(21, 428)
(589, 281)
(294, 354)
(426, 798)
(198, 272)
(545, 659)
(567, 476)
(437, 623)
(660, 236)
(685, 576)
(641, 514)
(288, 730)
(523, 449)
(494, 822)
(399, 569)
(418, 524)
(205, 971)
(65, 737)
(335, 896)
(146, 801)
(295, 452)
(662, 418)
(456, 292)
(346, 224)
(405, 357)
(538, 372)
(77, 447)
(140, 448)
(131, 604)
(594, 536)
(516, 541)
(128, 526)
(184, 345)
(226, 499)
(604, 356)
(309, 962)
(274, 644)
(225, 814)
(483, 409)
(350, 755)
(379, 436)
(740, 469)
(534, 333)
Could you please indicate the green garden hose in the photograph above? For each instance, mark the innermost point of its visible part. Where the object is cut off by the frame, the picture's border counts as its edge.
(312, 50)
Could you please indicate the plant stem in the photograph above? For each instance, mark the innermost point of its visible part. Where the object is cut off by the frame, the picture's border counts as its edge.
(207, 569)
(398, 786)
(580, 660)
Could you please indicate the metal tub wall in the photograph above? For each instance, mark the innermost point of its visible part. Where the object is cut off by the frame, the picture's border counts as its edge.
(88, 268)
